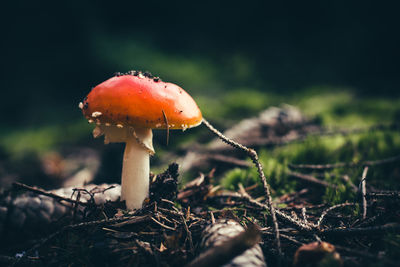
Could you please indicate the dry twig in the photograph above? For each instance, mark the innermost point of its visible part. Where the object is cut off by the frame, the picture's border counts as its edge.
(45, 193)
(311, 179)
(253, 155)
(325, 212)
(395, 227)
(345, 164)
(364, 191)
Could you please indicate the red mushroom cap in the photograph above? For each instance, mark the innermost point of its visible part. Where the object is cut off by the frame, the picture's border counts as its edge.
(140, 100)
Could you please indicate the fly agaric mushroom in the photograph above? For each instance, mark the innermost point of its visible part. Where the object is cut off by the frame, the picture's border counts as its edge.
(125, 109)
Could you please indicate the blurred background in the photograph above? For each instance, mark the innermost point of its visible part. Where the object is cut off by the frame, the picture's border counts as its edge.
(337, 61)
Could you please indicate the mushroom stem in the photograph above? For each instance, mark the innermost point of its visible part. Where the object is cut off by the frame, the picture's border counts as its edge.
(135, 174)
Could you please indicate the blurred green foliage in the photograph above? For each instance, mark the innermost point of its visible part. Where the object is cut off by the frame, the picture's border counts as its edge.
(334, 107)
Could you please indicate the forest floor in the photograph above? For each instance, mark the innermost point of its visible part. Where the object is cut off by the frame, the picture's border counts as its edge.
(306, 183)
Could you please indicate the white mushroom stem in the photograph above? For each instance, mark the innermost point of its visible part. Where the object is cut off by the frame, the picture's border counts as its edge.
(136, 164)
(135, 174)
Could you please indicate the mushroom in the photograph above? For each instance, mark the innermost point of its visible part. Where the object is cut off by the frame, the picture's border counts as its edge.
(125, 109)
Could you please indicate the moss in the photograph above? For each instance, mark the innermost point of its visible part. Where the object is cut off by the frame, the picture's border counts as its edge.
(323, 150)
(235, 176)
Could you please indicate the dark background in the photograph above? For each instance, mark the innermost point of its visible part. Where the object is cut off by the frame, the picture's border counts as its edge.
(53, 52)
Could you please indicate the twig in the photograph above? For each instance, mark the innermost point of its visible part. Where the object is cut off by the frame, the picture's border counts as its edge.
(344, 164)
(364, 191)
(45, 193)
(291, 239)
(325, 212)
(223, 253)
(290, 197)
(384, 194)
(311, 179)
(188, 234)
(228, 159)
(132, 220)
(171, 212)
(162, 225)
(297, 223)
(304, 214)
(347, 179)
(362, 231)
(253, 155)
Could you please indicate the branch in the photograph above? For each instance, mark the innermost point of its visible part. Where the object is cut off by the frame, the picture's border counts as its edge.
(254, 157)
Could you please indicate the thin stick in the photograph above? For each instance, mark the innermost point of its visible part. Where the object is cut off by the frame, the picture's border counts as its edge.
(299, 224)
(395, 227)
(298, 243)
(311, 179)
(345, 164)
(188, 234)
(325, 212)
(364, 191)
(347, 179)
(228, 159)
(162, 225)
(383, 194)
(254, 157)
(45, 193)
(304, 214)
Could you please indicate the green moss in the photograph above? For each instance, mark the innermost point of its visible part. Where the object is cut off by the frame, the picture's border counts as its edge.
(323, 150)
(235, 176)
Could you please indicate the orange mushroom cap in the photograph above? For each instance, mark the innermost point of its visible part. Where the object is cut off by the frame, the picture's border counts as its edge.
(141, 100)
